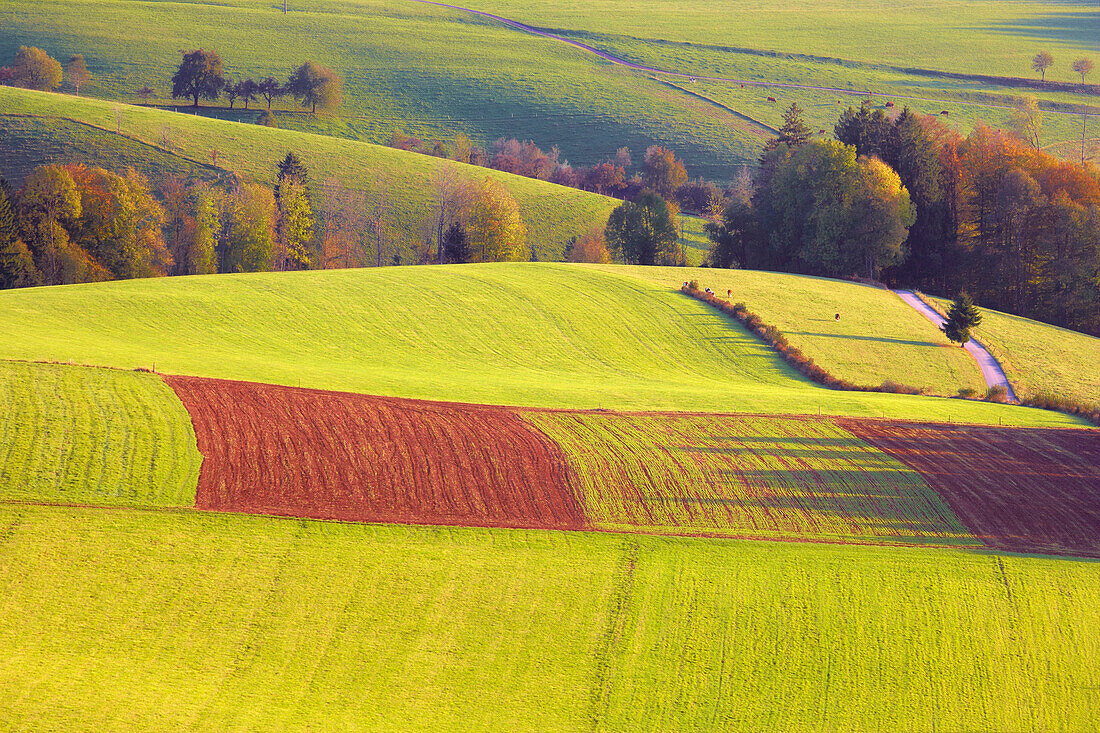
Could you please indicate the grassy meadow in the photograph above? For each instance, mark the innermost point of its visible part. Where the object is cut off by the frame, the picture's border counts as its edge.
(74, 435)
(434, 72)
(157, 141)
(219, 622)
(535, 334)
(877, 338)
(1041, 359)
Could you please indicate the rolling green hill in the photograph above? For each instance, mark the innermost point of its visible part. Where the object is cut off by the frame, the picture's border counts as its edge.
(124, 620)
(434, 71)
(554, 213)
(521, 334)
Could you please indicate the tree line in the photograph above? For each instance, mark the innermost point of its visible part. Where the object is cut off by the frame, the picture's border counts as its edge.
(910, 201)
(74, 223)
(201, 75)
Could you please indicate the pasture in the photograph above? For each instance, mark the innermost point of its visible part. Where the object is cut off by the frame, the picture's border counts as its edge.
(534, 334)
(1039, 358)
(436, 71)
(135, 620)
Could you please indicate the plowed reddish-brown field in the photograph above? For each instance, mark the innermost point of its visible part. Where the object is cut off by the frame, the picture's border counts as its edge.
(328, 455)
(1020, 489)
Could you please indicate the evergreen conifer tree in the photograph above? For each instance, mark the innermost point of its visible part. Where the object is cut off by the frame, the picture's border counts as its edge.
(962, 317)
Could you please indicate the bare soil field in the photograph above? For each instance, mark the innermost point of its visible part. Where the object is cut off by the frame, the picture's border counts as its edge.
(1019, 489)
(332, 455)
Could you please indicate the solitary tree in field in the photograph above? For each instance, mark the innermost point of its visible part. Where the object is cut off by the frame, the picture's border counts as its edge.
(315, 85)
(33, 68)
(962, 317)
(1083, 66)
(76, 72)
(1042, 62)
(199, 75)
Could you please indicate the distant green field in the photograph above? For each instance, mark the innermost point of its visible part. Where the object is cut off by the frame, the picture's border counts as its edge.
(745, 476)
(435, 72)
(123, 620)
(553, 213)
(97, 436)
(877, 338)
(1041, 359)
(520, 334)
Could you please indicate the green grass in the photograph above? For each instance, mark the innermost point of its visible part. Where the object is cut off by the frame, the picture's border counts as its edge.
(520, 334)
(123, 620)
(745, 476)
(877, 338)
(98, 436)
(1041, 359)
(553, 213)
(28, 142)
(435, 72)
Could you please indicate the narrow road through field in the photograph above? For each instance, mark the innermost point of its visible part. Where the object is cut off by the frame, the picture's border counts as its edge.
(991, 369)
(743, 82)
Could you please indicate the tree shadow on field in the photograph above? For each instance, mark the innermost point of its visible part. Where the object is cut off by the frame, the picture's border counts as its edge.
(1080, 29)
(880, 339)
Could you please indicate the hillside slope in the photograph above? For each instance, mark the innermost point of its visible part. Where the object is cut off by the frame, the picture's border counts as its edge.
(519, 334)
(554, 213)
(123, 620)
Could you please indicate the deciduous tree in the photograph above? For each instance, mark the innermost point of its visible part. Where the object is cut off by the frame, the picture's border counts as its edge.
(494, 226)
(199, 76)
(33, 68)
(1083, 66)
(1041, 63)
(250, 229)
(644, 232)
(76, 72)
(662, 171)
(315, 86)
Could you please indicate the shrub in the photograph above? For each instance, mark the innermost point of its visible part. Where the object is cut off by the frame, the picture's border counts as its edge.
(968, 393)
(996, 393)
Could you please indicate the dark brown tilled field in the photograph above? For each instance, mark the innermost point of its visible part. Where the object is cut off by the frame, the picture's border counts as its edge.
(329, 455)
(1019, 489)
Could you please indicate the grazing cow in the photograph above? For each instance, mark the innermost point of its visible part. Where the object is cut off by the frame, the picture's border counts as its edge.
(729, 293)
(838, 316)
(944, 112)
(889, 104)
(820, 132)
(771, 99)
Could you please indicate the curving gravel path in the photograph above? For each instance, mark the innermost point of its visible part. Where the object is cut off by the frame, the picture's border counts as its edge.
(991, 369)
(743, 82)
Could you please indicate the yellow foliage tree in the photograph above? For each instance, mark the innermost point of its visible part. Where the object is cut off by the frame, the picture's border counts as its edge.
(495, 228)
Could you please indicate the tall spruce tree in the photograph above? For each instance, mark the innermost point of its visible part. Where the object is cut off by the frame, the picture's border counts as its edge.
(962, 317)
(794, 133)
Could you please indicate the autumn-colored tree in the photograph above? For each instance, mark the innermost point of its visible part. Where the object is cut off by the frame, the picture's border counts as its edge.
(315, 86)
(663, 172)
(249, 223)
(588, 247)
(202, 258)
(17, 268)
(76, 72)
(450, 202)
(49, 205)
(33, 68)
(494, 226)
(121, 225)
(199, 75)
(1027, 121)
(1083, 66)
(344, 226)
(295, 227)
(1042, 62)
(645, 232)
